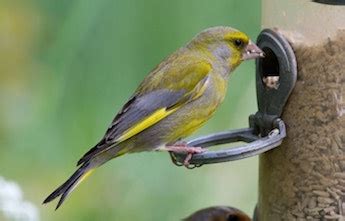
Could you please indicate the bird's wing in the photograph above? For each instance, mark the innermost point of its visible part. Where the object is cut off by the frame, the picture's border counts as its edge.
(150, 105)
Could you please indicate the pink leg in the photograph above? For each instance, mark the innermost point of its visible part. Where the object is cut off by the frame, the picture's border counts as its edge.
(183, 148)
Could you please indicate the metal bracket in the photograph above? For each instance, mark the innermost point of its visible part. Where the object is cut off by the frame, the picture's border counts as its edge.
(256, 145)
(266, 130)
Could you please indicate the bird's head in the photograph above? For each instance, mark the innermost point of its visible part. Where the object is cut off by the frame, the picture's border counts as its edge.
(227, 45)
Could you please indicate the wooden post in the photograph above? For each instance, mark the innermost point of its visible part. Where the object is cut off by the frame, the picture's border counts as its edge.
(304, 178)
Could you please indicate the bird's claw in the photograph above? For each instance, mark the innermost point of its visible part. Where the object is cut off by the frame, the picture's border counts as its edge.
(190, 152)
(174, 159)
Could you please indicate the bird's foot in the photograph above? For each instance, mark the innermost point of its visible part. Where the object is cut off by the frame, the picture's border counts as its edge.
(184, 149)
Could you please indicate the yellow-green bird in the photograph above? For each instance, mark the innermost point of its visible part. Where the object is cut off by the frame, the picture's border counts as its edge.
(174, 100)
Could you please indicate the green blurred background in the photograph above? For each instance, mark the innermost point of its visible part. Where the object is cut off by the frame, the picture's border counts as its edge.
(66, 67)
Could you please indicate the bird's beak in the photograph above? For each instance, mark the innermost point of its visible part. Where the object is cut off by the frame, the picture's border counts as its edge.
(252, 51)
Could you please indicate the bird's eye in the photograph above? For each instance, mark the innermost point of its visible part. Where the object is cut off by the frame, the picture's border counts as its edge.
(238, 43)
(232, 217)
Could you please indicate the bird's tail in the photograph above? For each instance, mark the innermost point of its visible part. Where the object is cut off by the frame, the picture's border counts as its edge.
(67, 187)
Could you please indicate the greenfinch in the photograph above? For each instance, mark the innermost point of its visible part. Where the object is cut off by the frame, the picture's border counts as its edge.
(218, 213)
(174, 100)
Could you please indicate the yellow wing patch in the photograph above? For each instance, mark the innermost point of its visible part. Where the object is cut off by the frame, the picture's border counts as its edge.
(147, 122)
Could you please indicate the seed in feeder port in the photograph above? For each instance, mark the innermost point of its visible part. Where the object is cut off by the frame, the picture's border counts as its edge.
(271, 82)
(273, 133)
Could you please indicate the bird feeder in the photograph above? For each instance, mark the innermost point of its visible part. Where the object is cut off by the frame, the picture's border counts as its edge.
(304, 178)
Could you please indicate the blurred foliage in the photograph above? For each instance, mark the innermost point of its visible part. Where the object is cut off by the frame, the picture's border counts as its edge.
(67, 66)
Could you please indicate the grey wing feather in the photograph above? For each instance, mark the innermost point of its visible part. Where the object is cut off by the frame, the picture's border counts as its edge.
(142, 107)
(136, 109)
